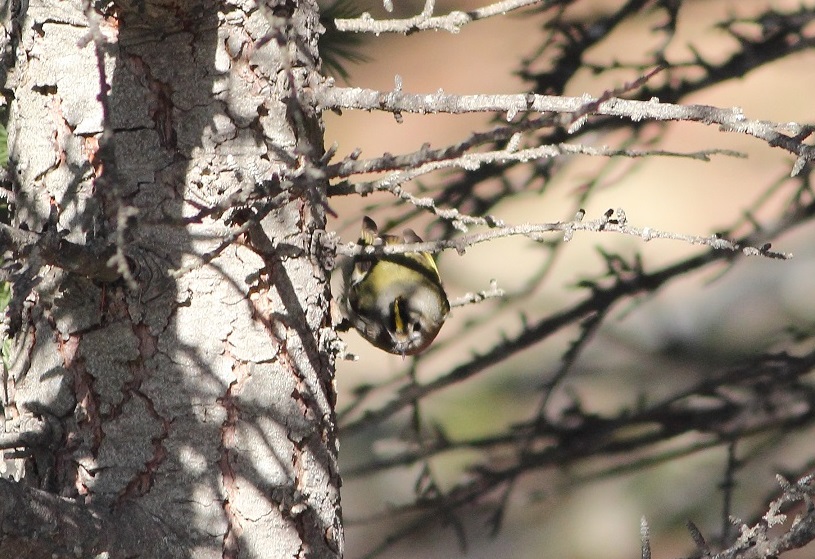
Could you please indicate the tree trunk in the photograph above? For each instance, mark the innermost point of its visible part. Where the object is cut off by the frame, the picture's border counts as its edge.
(186, 408)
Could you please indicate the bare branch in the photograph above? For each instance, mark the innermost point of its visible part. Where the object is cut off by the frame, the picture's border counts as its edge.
(471, 298)
(645, 539)
(414, 168)
(531, 334)
(452, 22)
(756, 541)
(108, 180)
(725, 415)
(601, 297)
(788, 136)
(609, 223)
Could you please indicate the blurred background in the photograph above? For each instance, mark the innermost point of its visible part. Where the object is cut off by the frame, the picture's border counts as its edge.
(654, 346)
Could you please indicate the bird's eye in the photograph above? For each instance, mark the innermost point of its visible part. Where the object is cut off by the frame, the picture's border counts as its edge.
(416, 326)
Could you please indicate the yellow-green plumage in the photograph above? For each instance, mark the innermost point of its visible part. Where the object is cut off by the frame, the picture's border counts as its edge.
(396, 302)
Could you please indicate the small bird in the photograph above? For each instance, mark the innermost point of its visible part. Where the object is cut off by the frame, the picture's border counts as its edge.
(395, 301)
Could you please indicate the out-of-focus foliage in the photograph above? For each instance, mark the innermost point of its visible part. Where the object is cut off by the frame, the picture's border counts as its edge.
(337, 50)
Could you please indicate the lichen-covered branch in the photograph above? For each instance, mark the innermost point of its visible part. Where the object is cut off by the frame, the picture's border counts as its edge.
(452, 22)
(788, 136)
(611, 222)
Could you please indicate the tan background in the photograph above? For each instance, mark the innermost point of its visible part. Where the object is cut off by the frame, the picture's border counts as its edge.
(739, 313)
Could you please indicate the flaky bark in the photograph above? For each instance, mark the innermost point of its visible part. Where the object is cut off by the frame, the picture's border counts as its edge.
(191, 400)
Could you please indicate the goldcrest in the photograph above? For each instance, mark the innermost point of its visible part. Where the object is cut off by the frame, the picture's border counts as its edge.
(395, 301)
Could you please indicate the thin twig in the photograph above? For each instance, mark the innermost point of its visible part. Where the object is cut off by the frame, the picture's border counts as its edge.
(606, 224)
(109, 179)
(452, 22)
(787, 136)
(409, 170)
